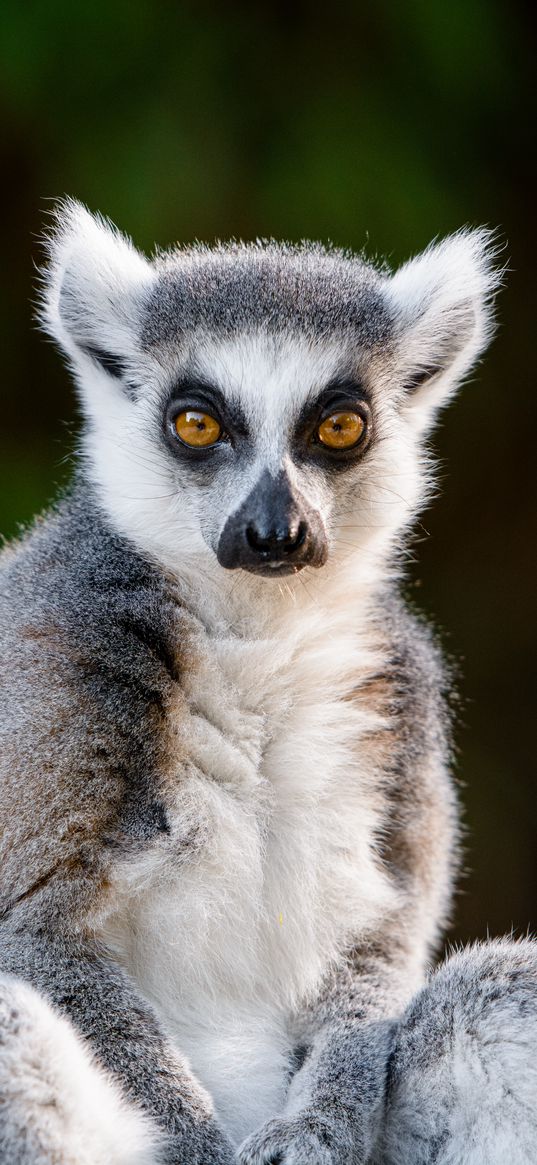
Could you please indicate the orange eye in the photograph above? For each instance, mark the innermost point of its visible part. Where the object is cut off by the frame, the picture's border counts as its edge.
(197, 429)
(341, 430)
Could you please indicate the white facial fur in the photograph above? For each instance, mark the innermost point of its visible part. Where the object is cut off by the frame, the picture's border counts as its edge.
(95, 297)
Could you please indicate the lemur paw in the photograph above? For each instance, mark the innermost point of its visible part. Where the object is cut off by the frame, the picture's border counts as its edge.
(307, 1139)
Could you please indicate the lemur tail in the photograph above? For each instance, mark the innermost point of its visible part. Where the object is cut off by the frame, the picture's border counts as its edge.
(463, 1087)
(56, 1104)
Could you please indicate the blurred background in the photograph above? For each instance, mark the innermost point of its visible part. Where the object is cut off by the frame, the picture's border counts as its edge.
(377, 126)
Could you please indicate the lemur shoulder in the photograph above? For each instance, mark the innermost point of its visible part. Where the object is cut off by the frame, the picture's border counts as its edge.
(228, 826)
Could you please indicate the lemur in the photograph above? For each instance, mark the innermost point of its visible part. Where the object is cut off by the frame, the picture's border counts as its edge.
(229, 831)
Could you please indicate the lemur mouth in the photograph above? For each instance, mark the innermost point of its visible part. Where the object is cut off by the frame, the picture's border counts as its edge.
(275, 569)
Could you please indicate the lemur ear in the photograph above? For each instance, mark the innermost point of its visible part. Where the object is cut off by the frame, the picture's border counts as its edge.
(93, 290)
(443, 307)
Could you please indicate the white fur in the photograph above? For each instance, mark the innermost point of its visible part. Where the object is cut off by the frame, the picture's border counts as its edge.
(57, 1105)
(159, 506)
(107, 280)
(442, 301)
(274, 763)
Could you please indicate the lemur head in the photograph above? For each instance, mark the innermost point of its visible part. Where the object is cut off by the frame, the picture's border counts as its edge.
(261, 407)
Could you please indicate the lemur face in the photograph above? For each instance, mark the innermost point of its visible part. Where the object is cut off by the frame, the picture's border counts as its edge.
(268, 435)
(261, 408)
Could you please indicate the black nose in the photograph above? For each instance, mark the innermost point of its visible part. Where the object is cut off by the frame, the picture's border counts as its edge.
(273, 532)
(280, 542)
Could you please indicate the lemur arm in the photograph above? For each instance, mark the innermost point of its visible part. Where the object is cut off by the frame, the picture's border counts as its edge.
(336, 1098)
(125, 1036)
(342, 1081)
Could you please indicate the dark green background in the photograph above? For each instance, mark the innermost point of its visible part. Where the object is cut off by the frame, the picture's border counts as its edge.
(380, 125)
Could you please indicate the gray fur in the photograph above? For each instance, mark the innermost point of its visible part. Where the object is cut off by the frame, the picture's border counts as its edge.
(463, 1073)
(240, 287)
(170, 884)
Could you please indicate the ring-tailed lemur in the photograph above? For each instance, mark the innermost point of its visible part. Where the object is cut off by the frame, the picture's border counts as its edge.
(228, 828)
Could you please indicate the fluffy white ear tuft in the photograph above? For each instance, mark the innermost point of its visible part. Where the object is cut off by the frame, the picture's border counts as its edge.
(443, 307)
(93, 288)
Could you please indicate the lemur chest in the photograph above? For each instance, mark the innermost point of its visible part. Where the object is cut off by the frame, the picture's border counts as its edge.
(272, 795)
(270, 866)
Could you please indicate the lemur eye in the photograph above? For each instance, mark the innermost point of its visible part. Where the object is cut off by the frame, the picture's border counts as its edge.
(197, 429)
(341, 430)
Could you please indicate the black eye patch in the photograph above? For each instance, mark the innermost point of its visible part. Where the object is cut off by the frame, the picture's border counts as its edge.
(192, 394)
(347, 396)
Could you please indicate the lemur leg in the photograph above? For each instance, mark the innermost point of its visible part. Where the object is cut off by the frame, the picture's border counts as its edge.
(56, 1104)
(125, 1037)
(463, 1081)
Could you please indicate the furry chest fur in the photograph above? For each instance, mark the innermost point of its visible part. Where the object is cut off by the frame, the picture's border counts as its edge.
(270, 868)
